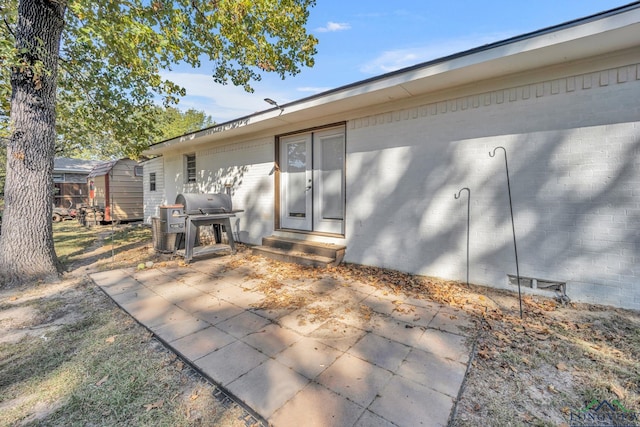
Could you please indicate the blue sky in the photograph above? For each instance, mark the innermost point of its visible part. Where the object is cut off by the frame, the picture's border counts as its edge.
(362, 39)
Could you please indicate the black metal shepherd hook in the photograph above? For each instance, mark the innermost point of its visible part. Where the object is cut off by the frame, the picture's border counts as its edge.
(457, 196)
(513, 227)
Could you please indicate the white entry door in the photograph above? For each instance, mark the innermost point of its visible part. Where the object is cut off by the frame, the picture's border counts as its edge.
(328, 181)
(312, 181)
(296, 182)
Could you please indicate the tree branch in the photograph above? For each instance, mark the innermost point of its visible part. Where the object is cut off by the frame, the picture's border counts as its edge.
(65, 65)
(6, 24)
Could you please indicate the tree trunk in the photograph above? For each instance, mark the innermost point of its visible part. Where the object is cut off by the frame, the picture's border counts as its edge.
(26, 242)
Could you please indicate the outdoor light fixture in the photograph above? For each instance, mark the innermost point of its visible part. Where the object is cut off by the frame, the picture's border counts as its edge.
(274, 103)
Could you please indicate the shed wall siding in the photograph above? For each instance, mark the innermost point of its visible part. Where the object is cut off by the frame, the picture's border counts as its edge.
(125, 194)
(100, 191)
(574, 160)
(125, 191)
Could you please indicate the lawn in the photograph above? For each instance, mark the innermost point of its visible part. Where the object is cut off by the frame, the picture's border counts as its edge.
(70, 356)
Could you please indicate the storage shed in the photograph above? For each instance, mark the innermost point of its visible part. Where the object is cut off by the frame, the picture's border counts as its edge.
(116, 188)
(70, 181)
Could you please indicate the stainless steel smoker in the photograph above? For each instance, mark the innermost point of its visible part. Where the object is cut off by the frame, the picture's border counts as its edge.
(191, 211)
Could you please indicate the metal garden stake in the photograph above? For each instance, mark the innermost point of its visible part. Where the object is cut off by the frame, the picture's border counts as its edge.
(457, 196)
(513, 227)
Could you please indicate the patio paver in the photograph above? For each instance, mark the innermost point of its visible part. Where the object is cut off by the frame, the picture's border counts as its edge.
(409, 404)
(230, 362)
(202, 342)
(355, 379)
(380, 351)
(355, 355)
(308, 357)
(433, 371)
(272, 339)
(317, 406)
(268, 386)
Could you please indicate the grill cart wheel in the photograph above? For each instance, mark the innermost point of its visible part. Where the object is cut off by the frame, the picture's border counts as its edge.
(57, 218)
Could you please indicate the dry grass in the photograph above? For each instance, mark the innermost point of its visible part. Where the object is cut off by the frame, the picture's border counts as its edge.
(69, 356)
(546, 368)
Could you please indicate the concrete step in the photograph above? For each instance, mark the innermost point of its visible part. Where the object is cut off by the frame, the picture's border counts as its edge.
(301, 251)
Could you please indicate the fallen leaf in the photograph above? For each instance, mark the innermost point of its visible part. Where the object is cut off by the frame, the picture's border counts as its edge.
(551, 388)
(565, 410)
(484, 354)
(561, 366)
(102, 381)
(111, 339)
(617, 391)
(154, 405)
(194, 396)
(502, 337)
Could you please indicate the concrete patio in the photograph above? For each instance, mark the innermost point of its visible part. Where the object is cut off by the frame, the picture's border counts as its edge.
(351, 355)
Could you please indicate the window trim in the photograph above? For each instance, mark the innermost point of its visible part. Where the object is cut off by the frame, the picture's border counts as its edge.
(190, 171)
(152, 181)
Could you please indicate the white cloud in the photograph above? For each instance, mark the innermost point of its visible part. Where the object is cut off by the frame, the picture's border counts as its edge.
(392, 60)
(221, 102)
(313, 89)
(334, 26)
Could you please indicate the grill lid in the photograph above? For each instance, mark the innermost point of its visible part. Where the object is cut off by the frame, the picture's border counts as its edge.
(197, 204)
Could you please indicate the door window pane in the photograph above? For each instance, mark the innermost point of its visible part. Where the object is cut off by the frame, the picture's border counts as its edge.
(332, 175)
(296, 179)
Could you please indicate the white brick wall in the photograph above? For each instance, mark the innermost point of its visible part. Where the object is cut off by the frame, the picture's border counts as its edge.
(574, 158)
(573, 142)
(247, 168)
(153, 199)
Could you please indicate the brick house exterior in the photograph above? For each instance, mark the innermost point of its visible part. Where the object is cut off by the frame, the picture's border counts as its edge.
(563, 102)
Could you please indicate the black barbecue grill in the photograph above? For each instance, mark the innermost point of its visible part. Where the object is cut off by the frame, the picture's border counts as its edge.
(191, 211)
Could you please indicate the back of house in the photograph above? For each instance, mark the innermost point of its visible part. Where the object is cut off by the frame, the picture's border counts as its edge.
(375, 165)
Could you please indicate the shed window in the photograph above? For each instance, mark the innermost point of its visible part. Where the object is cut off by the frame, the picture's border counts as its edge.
(152, 181)
(58, 177)
(137, 171)
(190, 167)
